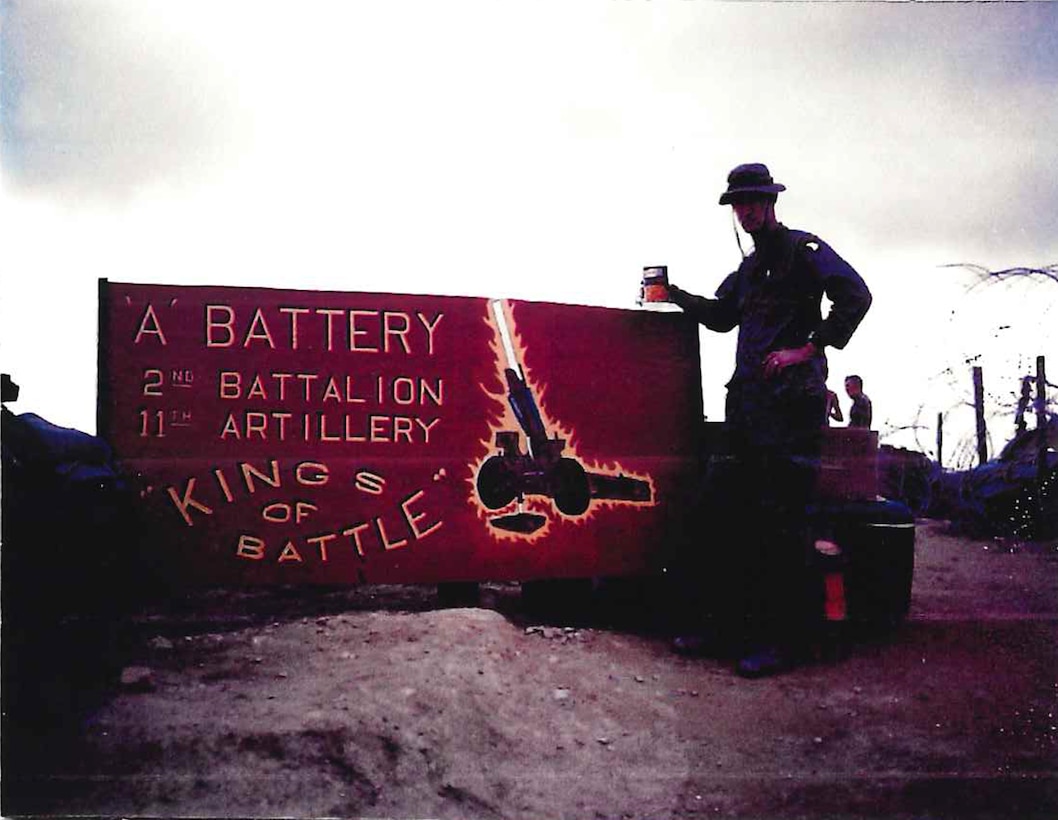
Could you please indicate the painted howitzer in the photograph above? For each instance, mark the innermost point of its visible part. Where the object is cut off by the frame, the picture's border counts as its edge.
(541, 470)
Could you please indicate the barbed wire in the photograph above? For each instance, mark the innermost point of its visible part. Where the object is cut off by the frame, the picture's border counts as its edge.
(1002, 403)
(985, 275)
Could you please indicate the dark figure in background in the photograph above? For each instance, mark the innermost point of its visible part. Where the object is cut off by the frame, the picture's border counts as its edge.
(776, 409)
(833, 407)
(861, 411)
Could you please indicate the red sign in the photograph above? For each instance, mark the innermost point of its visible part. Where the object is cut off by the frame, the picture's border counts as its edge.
(289, 436)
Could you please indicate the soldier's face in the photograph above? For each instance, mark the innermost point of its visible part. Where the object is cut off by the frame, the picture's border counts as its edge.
(754, 213)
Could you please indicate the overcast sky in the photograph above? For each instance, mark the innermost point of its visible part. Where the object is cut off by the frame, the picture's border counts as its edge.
(533, 150)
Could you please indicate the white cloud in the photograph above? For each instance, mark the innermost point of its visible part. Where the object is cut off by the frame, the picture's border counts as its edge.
(104, 98)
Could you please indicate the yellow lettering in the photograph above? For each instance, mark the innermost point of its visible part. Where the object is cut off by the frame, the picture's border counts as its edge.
(430, 327)
(302, 510)
(256, 422)
(331, 391)
(258, 334)
(402, 428)
(250, 547)
(413, 519)
(306, 380)
(257, 390)
(249, 472)
(294, 312)
(354, 533)
(186, 501)
(354, 331)
(230, 384)
(225, 325)
(395, 324)
(350, 395)
(290, 553)
(436, 394)
(149, 326)
(282, 419)
(282, 379)
(321, 541)
(384, 538)
(277, 513)
(323, 430)
(379, 428)
(304, 475)
(223, 482)
(350, 435)
(231, 427)
(426, 428)
(369, 482)
(330, 314)
(403, 390)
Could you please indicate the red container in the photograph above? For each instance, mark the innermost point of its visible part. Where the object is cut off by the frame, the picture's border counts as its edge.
(655, 286)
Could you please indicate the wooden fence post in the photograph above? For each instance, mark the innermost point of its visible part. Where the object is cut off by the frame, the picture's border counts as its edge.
(979, 408)
(1041, 426)
(940, 440)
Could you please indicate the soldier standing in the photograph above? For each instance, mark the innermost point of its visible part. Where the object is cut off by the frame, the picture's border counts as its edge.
(861, 411)
(776, 404)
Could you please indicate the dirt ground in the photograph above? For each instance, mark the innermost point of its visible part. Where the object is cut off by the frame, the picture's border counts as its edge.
(377, 702)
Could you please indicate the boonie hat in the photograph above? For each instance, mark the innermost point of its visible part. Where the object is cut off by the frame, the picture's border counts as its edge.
(751, 178)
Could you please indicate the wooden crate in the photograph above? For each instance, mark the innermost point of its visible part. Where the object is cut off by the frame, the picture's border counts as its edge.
(849, 464)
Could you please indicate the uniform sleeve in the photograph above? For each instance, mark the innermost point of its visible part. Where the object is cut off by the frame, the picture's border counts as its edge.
(719, 314)
(846, 290)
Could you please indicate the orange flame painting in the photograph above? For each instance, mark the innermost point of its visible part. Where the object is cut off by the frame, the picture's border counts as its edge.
(521, 495)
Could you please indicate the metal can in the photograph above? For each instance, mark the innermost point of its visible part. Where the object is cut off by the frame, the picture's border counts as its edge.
(655, 284)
